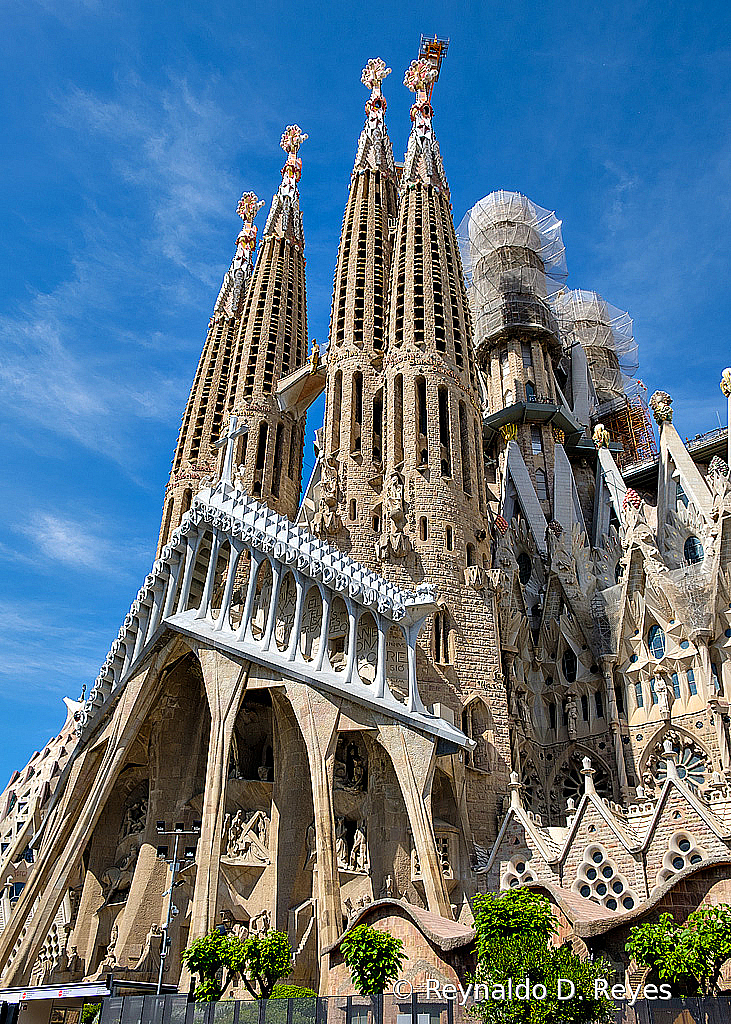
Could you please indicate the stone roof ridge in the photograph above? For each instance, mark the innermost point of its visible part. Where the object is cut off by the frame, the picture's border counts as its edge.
(549, 849)
(443, 932)
(375, 151)
(423, 161)
(624, 833)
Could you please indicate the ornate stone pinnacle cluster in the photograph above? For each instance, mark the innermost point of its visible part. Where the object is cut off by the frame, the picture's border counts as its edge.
(419, 75)
(374, 73)
(249, 206)
(661, 404)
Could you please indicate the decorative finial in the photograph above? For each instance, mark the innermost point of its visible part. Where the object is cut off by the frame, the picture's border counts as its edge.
(725, 383)
(588, 772)
(292, 139)
(631, 498)
(373, 74)
(601, 437)
(249, 206)
(419, 76)
(661, 403)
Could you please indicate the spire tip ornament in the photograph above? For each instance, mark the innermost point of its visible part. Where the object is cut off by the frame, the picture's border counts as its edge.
(725, 382)
(373, 74)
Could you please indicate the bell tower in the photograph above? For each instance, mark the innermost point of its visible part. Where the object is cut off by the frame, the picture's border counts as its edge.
(271, 343)
(352, 458)
(210, 395)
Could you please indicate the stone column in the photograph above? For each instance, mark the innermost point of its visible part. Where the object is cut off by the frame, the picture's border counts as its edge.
(413, 755)
(615, 726)
(317, 717)
(225, 682)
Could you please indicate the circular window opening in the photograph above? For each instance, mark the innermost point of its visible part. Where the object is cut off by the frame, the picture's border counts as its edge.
(597, 856)
(585, 891)
(684, 845)
(678, 863)
(601, 889)
(628, 903)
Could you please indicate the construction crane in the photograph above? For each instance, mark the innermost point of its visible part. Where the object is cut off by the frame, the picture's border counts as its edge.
(434, 50)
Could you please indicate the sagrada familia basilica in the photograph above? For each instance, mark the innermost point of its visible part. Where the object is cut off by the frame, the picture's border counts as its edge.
(487, 644)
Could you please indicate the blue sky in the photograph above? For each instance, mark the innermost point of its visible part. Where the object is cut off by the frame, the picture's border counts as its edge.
(130, 130)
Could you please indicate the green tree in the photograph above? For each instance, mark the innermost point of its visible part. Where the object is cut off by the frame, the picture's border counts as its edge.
(374, 958)
(216, 959)
(689, 956)
(525, 980)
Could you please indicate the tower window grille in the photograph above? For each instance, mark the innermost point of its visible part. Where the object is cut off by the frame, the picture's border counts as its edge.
(470, 554)
(423, 528)
(552, 717)
(691, 682)
(442, 637)
(536, 440)
(526, 353)
(656, 641)
(448, 538)
(599, 704)
(639, 697)
(653, 692)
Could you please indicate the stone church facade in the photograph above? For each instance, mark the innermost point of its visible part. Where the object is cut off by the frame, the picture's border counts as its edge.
(486, 648)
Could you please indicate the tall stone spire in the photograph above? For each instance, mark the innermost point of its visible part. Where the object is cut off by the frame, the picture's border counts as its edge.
(423, 160)
(271, 343)
(211, 394)
(352, 447)
(434, 525)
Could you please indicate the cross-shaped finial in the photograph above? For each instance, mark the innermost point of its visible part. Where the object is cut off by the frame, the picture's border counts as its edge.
(228, 439)
(420, 74)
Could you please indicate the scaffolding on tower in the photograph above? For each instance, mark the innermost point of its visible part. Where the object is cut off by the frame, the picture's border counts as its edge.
(434, 50)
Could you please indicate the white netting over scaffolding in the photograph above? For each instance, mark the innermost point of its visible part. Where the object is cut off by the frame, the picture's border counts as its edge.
(513, 258)
(605, 333)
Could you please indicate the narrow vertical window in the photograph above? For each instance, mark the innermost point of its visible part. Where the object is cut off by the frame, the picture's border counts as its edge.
(599, 704)
(277, 468)
(422, 422)
(465, 445)
(552, 717)
(398, 420)
(585, 707)
(536, 440)
(445, 453)
(357, 412)
(691, 683)
(470, 554)
(438, 637)
(639, 699)
(449, 539)
(377, 444)
(337, 403)
(261, 451)
(353, 509)
(541, 485)
(526, 353)
(619, 697)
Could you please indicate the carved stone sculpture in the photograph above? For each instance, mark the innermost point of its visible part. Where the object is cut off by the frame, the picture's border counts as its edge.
(394, 543)
(359, 852)
(572, 714)
(326, 519)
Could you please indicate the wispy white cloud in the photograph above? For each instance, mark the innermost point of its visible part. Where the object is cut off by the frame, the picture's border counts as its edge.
(83, 543)
(77, 360)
